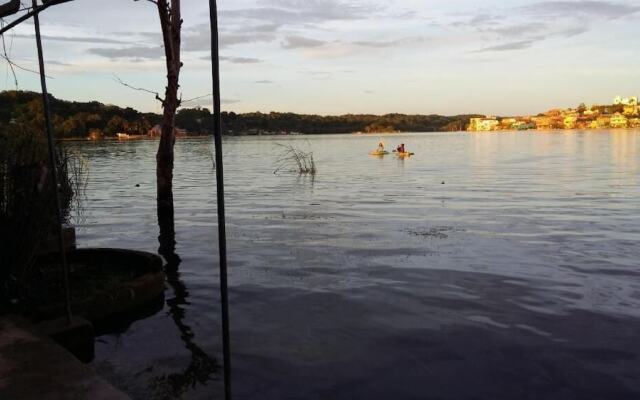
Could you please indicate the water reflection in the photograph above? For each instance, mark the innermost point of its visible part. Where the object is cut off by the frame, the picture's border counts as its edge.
(517, 278)
(624, 151)
(202, 368)
(306, 180)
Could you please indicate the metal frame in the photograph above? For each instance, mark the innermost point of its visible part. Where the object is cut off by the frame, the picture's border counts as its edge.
(222, 236)
(222, 241)
(36, 10)
(11, 9)
(53, 164)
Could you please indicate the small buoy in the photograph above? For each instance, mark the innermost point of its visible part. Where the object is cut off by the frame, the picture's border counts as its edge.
(138, 185)
(443, 182)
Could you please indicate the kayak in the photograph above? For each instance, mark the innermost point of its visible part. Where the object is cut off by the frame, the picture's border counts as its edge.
(405, 154)
(378, 153)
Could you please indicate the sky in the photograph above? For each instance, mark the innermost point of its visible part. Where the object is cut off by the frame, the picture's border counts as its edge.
(495, 57)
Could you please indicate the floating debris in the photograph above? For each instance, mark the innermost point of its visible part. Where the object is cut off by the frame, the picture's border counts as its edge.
(438, 232)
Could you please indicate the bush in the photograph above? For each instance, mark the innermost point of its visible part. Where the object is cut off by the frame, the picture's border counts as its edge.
(27, 206)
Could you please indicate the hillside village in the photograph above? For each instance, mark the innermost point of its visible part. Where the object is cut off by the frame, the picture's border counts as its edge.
(623, 113)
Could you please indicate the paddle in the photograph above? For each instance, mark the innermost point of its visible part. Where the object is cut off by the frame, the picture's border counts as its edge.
(406, 152)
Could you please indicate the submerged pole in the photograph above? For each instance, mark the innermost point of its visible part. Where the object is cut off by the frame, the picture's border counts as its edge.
(52, 163)
(222, 237)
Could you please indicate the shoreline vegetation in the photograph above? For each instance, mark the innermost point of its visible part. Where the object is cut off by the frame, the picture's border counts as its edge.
(96, 121)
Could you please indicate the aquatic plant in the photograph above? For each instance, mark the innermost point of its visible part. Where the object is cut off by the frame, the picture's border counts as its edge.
(74, 166)
(293, 159)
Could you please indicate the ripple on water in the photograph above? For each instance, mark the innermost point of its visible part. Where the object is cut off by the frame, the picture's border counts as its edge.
(515, 279)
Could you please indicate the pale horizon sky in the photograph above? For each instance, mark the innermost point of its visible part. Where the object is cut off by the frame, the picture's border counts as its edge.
(346, 56)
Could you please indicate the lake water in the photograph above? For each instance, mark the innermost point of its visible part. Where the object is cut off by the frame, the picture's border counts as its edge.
(487, 266)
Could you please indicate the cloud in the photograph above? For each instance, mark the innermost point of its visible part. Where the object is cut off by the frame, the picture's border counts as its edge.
(136, 53)
(544, 20)
(298, 19)
(230, 38)
(235, 60)
(484, 19)
(539, 29)
(301, 12)
(293, 22)
(198, 38)
(575, 31)
(316, 48)
(389, 43)
(265, 28)
(319, 75)
(155, 36)
(241, 60)
(516, 30)
(194, 39)
(583, 8)
(79, 39)
(297, 42)
(58, 63)
(520, 45)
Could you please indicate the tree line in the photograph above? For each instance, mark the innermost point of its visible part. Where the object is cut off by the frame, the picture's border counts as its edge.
(73, 119)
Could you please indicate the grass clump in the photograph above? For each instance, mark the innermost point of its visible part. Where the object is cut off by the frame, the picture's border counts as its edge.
(292, 159)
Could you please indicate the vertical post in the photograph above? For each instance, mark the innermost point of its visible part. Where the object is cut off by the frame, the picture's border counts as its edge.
(52, 162)
(222, 239)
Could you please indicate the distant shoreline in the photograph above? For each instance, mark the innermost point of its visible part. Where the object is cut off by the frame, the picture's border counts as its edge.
(97, 121)
(552, 131)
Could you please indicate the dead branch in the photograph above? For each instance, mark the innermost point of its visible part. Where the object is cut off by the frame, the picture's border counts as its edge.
(5, 56)
(123, 83)
(197, 98)
(8, 60)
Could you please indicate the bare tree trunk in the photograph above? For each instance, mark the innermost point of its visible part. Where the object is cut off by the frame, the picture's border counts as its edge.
(170, 22)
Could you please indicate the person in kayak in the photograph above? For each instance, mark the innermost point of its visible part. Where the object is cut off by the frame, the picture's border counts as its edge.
(380, 147)
(400, 148)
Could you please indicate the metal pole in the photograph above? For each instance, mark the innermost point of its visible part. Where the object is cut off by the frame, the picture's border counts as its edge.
(222, 238)
(52, 163)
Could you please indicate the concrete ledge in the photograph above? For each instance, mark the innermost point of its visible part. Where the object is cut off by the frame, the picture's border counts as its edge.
(33, 367)
(77, 337)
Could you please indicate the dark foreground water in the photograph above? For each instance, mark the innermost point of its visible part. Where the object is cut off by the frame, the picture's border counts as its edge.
(516, 278)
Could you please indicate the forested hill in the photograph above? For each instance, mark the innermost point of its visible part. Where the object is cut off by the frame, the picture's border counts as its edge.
(79, 119)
